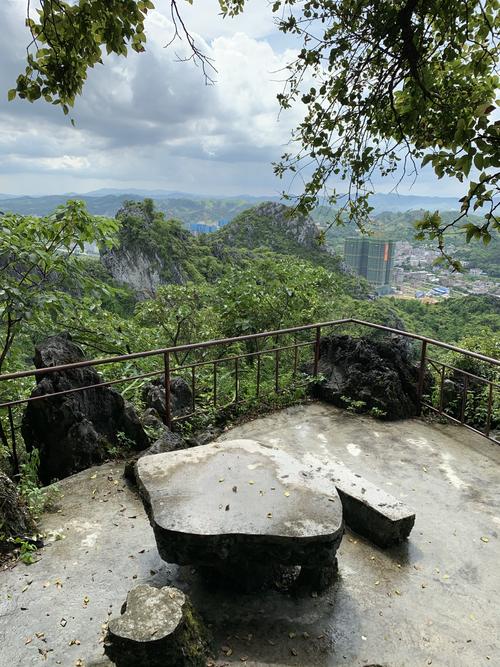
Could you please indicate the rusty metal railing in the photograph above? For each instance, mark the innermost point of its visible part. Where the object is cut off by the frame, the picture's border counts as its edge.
(276, 351)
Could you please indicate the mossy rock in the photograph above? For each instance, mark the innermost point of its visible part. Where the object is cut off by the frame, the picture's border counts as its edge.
(158, 628)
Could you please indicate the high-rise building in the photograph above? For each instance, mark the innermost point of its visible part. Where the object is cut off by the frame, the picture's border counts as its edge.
(371, 258)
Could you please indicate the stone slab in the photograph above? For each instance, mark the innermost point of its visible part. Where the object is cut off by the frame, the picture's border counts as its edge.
(241, 500)
(370, 511)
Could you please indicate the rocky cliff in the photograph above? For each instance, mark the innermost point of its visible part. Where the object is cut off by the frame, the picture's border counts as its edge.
(275, 226)
(153, 251)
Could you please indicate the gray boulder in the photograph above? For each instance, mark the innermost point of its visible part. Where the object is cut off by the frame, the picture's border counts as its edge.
(166, 442)
(77, 430)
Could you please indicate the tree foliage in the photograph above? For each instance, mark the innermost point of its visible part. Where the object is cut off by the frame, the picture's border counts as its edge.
(39, 264)
(386, 86)
(396, 84)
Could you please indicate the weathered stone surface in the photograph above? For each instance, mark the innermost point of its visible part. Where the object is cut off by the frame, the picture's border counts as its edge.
(379, 373)
(153, 395)
(158, 628)
(237, 503)
(15, 519)
(76, 430)
(167, 442)
(204, 437)
(370, 511)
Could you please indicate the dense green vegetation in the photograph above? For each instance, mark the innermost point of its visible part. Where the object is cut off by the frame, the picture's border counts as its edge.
(261, 272)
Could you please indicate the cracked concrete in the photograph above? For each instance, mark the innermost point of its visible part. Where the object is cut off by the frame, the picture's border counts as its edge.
(432, 600)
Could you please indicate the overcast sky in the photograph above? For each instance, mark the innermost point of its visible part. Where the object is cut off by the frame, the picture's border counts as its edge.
(151, 122)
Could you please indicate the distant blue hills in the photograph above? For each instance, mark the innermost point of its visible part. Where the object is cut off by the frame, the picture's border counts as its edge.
(196, 208)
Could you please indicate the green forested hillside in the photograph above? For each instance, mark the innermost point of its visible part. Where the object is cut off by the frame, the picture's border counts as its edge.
(264, 271)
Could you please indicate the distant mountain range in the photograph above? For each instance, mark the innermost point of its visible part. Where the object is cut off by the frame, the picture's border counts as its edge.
(193, 208)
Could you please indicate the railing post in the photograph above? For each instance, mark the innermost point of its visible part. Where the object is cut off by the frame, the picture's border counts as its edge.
(257, 389)
(168, 407)
(277, 371)
(15, 458)
(316, 350)
(490, 405)
(236, 381)
(421, 372)
(464, 399)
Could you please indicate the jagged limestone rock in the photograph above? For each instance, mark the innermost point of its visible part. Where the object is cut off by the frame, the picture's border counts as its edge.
(153, 395)
(158, 628)
(75, 431)
(377, 374)
(15, 519)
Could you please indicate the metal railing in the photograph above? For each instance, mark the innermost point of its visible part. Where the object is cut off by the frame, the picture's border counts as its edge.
(255, 359)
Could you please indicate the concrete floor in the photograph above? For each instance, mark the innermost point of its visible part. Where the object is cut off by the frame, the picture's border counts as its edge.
(433, 600)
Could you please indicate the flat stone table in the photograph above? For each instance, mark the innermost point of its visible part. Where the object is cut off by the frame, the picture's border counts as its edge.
(240, 508)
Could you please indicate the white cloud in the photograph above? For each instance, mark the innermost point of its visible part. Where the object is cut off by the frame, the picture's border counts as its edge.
(150, 121)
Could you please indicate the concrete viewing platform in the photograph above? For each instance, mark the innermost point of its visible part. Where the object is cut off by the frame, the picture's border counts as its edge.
(430, 600)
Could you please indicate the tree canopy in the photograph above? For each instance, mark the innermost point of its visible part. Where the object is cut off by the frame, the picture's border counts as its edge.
(388, 86)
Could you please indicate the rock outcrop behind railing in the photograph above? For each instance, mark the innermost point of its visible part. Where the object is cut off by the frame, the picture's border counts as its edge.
(76, 430)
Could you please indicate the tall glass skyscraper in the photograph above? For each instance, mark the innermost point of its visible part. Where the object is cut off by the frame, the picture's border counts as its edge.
(371, 258)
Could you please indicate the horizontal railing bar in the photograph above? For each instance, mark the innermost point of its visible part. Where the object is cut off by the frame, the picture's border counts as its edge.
(457, 421)
(430, 341)
(176, 349)
(462, 372)
(238, 339)
(75, 390)
(211, 362)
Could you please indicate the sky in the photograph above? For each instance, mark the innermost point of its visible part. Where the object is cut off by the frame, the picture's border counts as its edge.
(149, 121)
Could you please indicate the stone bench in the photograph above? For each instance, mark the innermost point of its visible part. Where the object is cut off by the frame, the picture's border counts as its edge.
(158, 627)
(370, 511)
